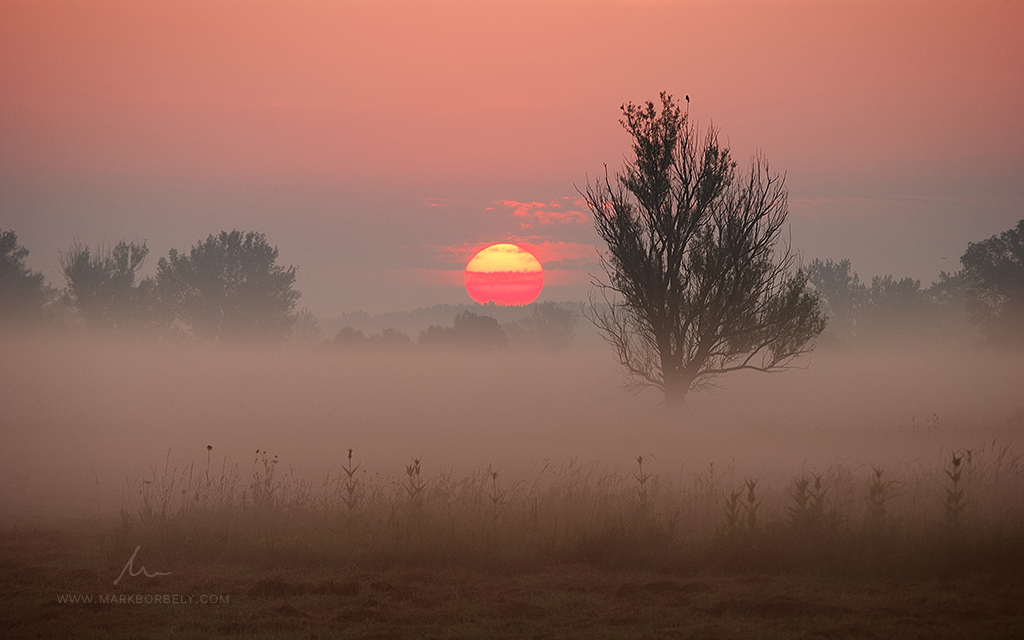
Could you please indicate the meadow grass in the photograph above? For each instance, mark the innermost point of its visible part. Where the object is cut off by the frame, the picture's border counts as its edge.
(962, 515)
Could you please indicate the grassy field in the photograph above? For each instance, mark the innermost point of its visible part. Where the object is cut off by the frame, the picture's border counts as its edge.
(577, 553)
(873, 495)
(574, 601)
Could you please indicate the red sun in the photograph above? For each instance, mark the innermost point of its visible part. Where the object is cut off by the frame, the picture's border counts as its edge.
(505, 274)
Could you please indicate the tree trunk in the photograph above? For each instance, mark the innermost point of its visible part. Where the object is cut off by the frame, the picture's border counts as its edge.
(676, 389)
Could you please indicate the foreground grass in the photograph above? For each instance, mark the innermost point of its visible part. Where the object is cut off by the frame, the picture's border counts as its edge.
(934, 552)
(964, 516)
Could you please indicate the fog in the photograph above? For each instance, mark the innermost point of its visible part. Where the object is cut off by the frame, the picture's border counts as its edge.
(84, 419)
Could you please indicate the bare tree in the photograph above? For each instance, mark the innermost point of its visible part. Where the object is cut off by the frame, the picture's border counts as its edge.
(696, 284)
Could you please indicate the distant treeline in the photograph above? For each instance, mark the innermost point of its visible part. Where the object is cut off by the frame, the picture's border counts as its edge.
(887, 307)
(229, 287)
(987, 293)
(549, 326)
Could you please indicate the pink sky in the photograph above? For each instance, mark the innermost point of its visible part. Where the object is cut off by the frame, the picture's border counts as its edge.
(375, 141)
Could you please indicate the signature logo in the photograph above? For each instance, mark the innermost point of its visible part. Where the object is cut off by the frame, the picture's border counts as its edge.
(130, 568)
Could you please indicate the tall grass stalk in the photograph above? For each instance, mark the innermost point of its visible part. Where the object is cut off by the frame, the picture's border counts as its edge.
(838, 520)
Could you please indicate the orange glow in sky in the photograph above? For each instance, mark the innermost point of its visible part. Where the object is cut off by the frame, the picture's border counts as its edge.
(321, 89)
(504, 274)
(370, 138)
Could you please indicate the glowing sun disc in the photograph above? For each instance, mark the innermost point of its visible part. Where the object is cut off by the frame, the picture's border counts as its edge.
(504, 274)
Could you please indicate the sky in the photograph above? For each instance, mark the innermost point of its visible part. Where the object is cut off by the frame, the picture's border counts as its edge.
(380, 144)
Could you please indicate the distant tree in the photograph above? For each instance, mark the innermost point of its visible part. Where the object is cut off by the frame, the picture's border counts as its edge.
(437, 336)
(843, 294)
(994, 275)
(479, 331)
(890, 308)
(305, 327)
(23, 292)
(349, 337)
(894, 307)
(946, 302)
(888, 292)
(698, 286)
(102, 285)
(229, 287)
(548, 327)
(950, 290)
(389, 338)
(469, 330)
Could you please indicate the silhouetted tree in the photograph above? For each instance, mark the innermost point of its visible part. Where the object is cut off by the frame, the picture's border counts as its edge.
(229, 287)
(890, 308)
(548, 327)
(947, 305)
(389, 338)
(698, 287)
(102, 285)
(895, 307)
(994, 274)
(437, 336)
(843, 293)
(349, 337)
(949, 291)
(479, 331)
(469, 330)
(23, 292)
(306, 327)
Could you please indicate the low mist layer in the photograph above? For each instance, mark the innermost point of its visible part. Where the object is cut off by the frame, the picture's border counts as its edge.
(84, 421)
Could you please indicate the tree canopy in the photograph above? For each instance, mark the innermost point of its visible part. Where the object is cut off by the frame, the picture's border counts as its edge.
(102, 285)
(229, 286)
(23, 293)
(842, 292)
(696, 285)
(994, 272)
(468, 330)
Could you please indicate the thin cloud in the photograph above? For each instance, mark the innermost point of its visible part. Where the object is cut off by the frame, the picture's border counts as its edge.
(563, 254)
(462, 252)
(428, 277)
(567, 277)
(530, 214)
